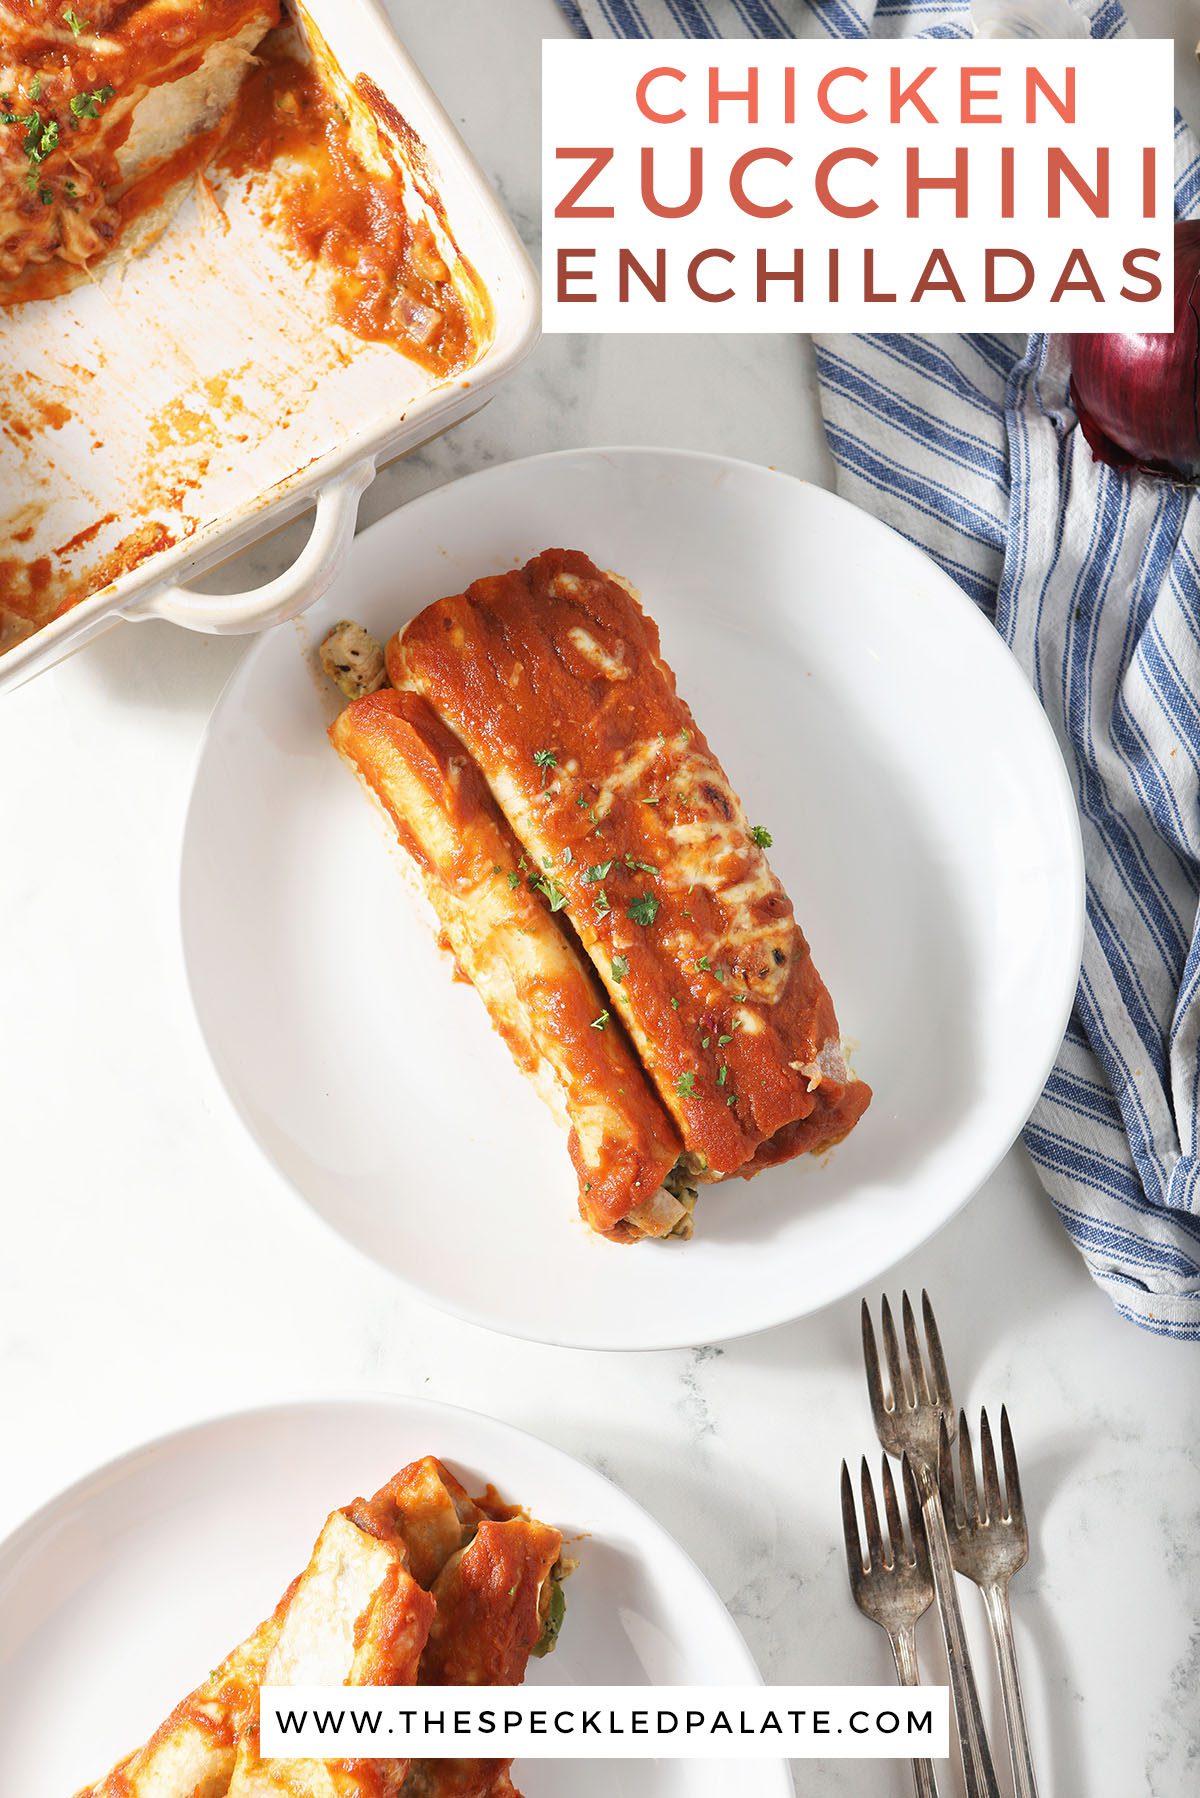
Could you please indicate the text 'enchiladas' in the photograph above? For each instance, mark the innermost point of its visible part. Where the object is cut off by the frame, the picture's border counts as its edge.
(598, 880)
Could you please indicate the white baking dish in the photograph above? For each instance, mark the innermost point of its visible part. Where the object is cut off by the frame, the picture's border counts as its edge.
(203, 388)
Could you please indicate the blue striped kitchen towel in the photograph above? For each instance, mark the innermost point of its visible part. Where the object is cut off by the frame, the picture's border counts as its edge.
(967, 445)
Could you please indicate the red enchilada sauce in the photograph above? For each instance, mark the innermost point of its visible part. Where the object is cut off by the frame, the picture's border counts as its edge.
(344, 211)
(389, 282)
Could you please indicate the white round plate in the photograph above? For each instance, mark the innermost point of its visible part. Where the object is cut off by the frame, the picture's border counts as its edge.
(871, 719)
(118, 1596)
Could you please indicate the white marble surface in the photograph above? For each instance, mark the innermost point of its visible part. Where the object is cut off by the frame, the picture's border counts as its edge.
(155, 1271)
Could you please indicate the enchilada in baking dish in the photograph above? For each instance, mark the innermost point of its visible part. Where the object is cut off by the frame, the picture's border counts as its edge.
(106, 108)
(604, 830)
(109, 112)
(419, 1584)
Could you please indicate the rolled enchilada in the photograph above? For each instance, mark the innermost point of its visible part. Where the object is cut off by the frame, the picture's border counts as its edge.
(552, 679)
(354, 1616)
(357, 1618)
(193, 1752)
(420, 1582)
(499, 911)
(494, 1604)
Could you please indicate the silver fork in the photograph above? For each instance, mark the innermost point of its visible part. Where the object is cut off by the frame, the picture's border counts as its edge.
(909, 1416)
(988, 1546)
(893, 1587)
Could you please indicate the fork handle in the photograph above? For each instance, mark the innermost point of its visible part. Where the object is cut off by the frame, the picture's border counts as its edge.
(995, 1598)
(979, 1773)
(904, 1653)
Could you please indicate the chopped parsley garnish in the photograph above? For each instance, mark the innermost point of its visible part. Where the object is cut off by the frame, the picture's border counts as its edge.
(597, 871)
(704, 1041)
(600, 1022)
(42, 138)
(643, 910)
(550, 891)
(704, 964)
(72, 18)
(620, 967)
(545, 759)
(567, 857)
(514, 880)
(732, 1099)
(685, 737)
(636, 867)
(35, 88)
(87, 106)
(674, 1004)
(602, 906)
(762, 837)
(722, 1040)
(685, 1084)
(723, 1075)
(547, 861)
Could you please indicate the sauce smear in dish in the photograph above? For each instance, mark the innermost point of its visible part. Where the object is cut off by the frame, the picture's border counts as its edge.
(343, 205)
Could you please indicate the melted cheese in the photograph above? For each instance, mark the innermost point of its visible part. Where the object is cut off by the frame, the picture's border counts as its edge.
(611, 663)
(629, 772)
(719, 854)
(715, 852)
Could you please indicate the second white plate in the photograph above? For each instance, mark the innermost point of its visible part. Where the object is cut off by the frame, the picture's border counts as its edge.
(118, 1596)
(923, 824)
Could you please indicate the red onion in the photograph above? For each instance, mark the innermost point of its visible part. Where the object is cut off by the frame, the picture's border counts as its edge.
(1138, 397)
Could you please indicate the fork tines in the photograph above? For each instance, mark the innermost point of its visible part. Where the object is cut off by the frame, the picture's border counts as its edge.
(916, 1382)
(960, 1502)
(896, 1575)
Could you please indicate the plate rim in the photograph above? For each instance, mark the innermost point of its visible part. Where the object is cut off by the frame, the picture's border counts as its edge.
(652, 1534)
(1023, 697)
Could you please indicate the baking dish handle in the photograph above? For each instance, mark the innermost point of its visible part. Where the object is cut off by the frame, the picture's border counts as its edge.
(292, 592)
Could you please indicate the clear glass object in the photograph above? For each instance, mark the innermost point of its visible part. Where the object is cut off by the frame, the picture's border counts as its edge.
(1028, 18)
